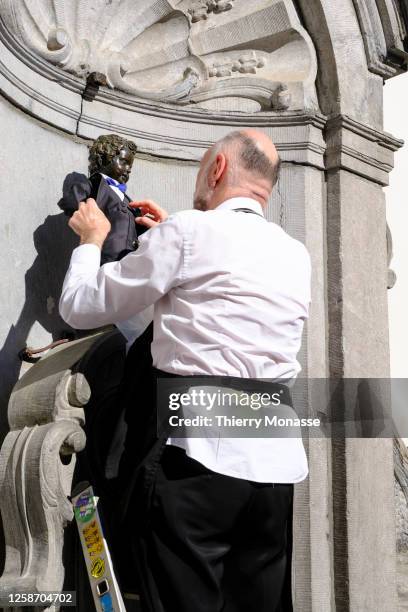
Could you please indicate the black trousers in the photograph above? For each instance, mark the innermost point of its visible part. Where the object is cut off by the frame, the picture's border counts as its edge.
(213, 543)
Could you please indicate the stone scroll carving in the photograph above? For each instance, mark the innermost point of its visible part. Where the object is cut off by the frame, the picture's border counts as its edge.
(175, 51)
(200, 9)
(37, 463)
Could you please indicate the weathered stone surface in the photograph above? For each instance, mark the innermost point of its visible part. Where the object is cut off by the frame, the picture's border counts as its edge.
(401, 502)
(364, 539)
(298, 136)
(37, 461)
(36, 91)
(35, 242)
(383, 30)
(357, 277)
(345, 85)
(169, 50)
(360, 149)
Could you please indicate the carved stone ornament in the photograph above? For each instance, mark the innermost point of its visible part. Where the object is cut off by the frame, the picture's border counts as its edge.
(171, 50)
(200, 9)
(37, 463)
(384, 29)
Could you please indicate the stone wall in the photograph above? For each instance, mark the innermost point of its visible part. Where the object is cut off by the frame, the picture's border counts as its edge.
(35, 242)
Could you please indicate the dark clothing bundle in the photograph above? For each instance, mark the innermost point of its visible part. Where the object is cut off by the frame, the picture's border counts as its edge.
(123, 237)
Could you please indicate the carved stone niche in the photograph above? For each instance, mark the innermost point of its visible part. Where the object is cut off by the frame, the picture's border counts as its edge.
(37, 463)
(175, 51)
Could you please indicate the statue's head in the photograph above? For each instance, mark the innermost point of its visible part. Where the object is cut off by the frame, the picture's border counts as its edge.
(112, 155)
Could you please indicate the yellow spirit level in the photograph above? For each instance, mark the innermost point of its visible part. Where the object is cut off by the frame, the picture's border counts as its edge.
(104, 586)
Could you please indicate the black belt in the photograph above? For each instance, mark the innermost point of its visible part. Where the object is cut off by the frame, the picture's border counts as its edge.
(249, 385)
(148, 466)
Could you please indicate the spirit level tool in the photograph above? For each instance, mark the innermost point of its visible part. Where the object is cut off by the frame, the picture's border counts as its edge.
(104, 586)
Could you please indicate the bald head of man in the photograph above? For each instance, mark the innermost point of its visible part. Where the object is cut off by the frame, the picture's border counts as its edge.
(243, 164)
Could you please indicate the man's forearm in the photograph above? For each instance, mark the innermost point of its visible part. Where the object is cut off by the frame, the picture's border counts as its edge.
(94, 296)
(74, 303)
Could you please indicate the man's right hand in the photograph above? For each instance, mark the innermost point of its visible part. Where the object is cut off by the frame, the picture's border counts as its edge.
(90, 223)
(155, 213)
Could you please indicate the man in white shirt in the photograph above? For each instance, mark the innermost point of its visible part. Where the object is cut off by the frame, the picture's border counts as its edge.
(231, 293)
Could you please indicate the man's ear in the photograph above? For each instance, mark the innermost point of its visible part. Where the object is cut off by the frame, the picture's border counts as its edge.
(217, 170)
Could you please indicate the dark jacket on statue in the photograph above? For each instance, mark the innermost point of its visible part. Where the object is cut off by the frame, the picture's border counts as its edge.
(123, 237)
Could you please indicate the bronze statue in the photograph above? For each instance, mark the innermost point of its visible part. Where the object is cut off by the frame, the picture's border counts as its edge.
(110, 163)
(112, 155)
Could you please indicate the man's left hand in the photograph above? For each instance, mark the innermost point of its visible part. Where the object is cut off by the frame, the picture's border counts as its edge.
(152, 213)
(89, 222)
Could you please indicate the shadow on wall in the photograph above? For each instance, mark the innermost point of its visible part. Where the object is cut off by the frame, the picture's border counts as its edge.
(54, 242)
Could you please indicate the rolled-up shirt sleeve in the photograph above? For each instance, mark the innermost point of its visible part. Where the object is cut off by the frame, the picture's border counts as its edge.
(94, 296)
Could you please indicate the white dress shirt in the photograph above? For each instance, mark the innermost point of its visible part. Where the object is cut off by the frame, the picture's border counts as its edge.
(231, 293)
